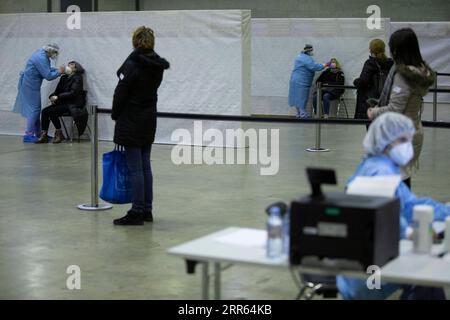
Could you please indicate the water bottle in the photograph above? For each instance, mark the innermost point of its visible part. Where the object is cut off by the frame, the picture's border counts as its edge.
(275, 234)
(286, 233)
(423, 228)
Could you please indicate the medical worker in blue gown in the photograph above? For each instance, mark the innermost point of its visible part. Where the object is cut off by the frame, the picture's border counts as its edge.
(388, 144)
(28, 101)
(301, 80)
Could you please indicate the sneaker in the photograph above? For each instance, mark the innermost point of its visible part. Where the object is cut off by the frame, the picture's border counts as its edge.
(132, 218)
(325, 116)
(148, 216)
(43, 138)
(30, 138)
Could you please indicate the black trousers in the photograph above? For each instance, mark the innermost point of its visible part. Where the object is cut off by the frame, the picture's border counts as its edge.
(53, 113)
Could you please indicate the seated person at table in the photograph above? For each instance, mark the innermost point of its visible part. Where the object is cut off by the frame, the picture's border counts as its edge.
(332, 76)
(388, 144)
(68, 98)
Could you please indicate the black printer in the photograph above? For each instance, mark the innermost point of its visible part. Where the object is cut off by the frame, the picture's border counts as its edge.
(340, 230)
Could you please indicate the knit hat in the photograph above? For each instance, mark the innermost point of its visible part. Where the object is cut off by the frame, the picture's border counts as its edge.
(377, 46)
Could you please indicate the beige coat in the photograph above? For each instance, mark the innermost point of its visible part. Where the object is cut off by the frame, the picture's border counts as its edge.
(409, 87)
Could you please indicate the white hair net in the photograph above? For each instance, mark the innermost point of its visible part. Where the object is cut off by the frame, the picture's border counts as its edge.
(52, 47)
(387, 128)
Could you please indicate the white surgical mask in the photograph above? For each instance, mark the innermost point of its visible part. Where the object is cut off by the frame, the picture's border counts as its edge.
(402, 153)
(69, 70)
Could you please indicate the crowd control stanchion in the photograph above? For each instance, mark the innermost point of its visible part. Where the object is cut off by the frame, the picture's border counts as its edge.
(435, 97)
(94, 205)
(317, 148)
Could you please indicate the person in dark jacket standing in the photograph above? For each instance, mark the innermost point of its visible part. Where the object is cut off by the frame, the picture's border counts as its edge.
(407, 83)
(373, 75)
(134, 110)
(332, 76)
(69, 97)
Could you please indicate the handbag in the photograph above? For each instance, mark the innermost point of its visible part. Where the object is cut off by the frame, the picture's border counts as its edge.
(116, 187)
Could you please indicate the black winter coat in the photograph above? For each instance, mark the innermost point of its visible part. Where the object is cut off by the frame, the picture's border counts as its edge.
(332, 77)
(135, 98)
(368, 83)
(71, 94)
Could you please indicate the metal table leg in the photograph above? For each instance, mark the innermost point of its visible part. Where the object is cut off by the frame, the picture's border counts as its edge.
(205, 281)
(217, 279)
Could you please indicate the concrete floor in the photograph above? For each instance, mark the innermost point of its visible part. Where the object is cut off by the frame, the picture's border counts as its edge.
(42, 232)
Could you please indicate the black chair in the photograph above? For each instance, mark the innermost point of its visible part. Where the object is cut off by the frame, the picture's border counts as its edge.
(341, 103)
(61, 118)
(73, 125)
(313, 285)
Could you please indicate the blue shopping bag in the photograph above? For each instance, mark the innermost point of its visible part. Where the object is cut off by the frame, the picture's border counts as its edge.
(116, 187)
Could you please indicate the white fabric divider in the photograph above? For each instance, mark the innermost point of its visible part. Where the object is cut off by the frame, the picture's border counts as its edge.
(277, 42)
(209, 52)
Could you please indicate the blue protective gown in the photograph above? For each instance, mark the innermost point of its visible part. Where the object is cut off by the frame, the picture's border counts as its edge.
(28, 101)
(383, 166)
(301, 80)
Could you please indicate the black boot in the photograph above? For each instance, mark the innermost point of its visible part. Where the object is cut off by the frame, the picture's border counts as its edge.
(133, 218)
(59, 137)
(148, 216)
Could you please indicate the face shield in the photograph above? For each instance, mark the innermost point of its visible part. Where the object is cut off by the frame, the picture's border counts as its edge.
(52, 51)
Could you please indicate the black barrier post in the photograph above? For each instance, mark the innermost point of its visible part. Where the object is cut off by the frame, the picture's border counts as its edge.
(94, 205)
(435, 97)
(317, 147)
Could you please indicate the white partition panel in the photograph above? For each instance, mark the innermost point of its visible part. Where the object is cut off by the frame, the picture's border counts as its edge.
(209, 52)
(277, 42)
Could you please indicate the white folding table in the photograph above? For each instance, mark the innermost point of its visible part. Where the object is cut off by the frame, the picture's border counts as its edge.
(408, 268)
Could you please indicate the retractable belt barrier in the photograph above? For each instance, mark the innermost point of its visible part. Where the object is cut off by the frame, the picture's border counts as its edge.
(94, 111)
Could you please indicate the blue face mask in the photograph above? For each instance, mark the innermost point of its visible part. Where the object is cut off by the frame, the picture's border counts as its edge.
(402, 153)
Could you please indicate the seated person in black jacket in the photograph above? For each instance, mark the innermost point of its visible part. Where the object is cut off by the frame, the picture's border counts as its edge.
(68, 98)
(332, 76)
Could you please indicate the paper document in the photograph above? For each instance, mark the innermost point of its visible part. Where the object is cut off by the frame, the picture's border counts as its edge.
(380, 186)
(245, 237)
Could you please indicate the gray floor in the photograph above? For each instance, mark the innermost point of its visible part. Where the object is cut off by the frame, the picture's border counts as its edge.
(42, 232)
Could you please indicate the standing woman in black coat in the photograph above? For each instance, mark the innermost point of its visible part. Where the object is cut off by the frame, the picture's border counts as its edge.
(134, 110)
(373, 75)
